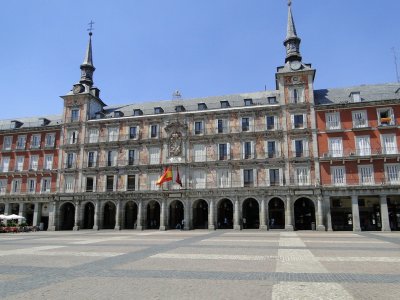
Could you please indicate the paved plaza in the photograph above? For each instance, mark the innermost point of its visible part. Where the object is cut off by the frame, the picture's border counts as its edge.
(200, 265)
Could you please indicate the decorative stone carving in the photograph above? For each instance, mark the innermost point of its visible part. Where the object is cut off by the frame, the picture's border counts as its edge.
(175, 144)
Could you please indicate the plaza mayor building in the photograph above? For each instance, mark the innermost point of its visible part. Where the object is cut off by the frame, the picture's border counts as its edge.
(292, 158)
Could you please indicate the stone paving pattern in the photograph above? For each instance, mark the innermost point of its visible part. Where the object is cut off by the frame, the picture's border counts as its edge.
(200, 265)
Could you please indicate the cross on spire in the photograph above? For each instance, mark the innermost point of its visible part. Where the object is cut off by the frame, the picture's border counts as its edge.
(90, 27)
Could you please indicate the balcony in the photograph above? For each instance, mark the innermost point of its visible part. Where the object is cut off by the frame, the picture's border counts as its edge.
(356, 182)
(359, 152)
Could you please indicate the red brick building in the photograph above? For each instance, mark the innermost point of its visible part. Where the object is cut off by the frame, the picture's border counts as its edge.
(358, 142)
(28, 166)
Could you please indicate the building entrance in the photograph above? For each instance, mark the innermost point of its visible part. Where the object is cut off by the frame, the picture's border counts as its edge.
(304, 214)
(370, 213)
(130, 215)
(88, 216)
(176, 215)
(276, 214)
(109, 216)
(153, 215)
(341, 214)
(200, 214)
(67, 216)
(394, 212)
(250, 214)
(225, 214)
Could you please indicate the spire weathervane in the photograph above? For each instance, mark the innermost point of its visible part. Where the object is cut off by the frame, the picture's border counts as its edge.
(90, 29)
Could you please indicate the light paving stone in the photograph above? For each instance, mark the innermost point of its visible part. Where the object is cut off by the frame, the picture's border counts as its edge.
(373, 291)
(362, 267)
(309, 290)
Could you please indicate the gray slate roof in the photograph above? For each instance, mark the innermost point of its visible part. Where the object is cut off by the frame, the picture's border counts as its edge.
(371, 92)
(31, 122)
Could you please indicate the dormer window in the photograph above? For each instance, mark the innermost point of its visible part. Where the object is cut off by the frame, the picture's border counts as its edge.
(271, 100)
(43, 121)
(158, 110)
(118, 114)
(355, 96)
(137, 112)
(225, 104)
(16, 124)
(201, 106)
(248, 102)
(179, 108)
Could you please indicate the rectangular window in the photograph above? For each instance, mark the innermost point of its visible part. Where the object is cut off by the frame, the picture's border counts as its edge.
(131, 157)
(110, 183)
(198, 127)
(335, 147)
(112, 158)
(5, 164)
(363, 145)
(389, 143)
(298, 121)
(7, 142)
(154, 131)
(392, 173)
(302, 176)
(356, 96)
(271, 149)
(366, 174)
(248, 102)
(222, 126)
(199, 153)
(69, 184)
(154, 153)
(223, 151)
(332, 120)
(46, 185)
(296, 95)
(33, 165)
(72, 137)
(19, 166)
(74, 115)
(338, 175)
(158, 110)
(360, 119)
(247, 150)
(299, 148)
(133, 132)
(91, 159)
(274, 179)
(386, 116)
(70, 160)
(131, 182)
(223, 178)
(137, 112)
(199, 179)
(93, 135)
(89, 184)
(21, 141)
(152, 181)
(3, 186)
(16, 186)
(271, 122)
(201, 106)
(35, 141)
(248, 179)
(113, 134)
(271, 100)
(225, 104)
(31, 186)
(50, 140)
(245, 124)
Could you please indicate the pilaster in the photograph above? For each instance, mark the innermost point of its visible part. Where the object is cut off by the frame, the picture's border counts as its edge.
(384, 213)
(355, 213)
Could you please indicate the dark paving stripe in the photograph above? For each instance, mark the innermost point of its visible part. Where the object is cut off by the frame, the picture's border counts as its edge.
(390, 239)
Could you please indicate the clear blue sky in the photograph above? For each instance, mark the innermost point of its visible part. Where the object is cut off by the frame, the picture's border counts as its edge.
(143, 50)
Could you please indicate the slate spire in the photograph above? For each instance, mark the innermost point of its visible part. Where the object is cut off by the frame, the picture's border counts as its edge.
(292, 41)
(87, 67)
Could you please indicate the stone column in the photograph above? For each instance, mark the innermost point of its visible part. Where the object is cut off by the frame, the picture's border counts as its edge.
(263, 220)
(22, 209)
(320, 215)
(77, 215)
(355, 213)
(37, 214)
(187, 216)
(327, 201)
(288, 214)
(384, 214)
(236, 216)
(139, 218)
(211, 224)
(117, 216)
(162, 214)
(96, 215)
(53, 216)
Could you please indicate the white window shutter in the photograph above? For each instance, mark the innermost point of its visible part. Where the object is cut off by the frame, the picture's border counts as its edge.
(218, 154)
(251, 123)
(292, 119)
(94, 157)
(280, 176)
(241, 178)
(305, 147)
(255, 177)
(305, 125)
(267, 179)
(228, 150)
(253, 149)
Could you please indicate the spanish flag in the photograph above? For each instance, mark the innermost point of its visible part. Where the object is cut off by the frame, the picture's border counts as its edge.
(167, 176)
